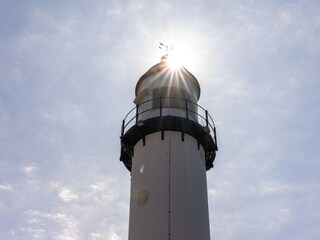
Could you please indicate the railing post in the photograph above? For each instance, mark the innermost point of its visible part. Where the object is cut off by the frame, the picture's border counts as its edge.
(187, 110)
(207, 121)
(215, 138)
(160, 106)
(122, 128)
(161, 123)
(137, 113)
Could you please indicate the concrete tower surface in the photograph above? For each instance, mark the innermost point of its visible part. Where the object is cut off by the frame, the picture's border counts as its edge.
(168, 142)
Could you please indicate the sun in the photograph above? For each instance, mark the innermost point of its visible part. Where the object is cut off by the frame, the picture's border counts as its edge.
(174, 61)
(178, 56)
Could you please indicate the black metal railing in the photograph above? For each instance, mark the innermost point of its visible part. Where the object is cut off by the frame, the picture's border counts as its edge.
(191, 111)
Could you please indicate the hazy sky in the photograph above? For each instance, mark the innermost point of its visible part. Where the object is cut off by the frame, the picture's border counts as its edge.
(67, 75)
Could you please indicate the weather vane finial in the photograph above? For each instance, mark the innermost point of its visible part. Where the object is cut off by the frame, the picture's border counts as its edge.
(166, 48)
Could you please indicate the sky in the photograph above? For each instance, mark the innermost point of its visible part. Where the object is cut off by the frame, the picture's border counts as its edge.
(68, 70)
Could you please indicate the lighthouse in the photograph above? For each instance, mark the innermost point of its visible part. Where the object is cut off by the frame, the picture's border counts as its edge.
(168, 142)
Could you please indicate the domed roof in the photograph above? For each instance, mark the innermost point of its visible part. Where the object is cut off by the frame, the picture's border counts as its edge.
(163, 67)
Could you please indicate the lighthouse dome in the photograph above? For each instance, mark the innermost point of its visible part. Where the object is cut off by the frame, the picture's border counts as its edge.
(163, 80)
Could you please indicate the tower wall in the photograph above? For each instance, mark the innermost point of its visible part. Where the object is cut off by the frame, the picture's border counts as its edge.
(168, 189)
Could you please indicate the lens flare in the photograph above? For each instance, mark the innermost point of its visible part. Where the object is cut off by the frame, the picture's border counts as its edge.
(179, 56)
(174, 61)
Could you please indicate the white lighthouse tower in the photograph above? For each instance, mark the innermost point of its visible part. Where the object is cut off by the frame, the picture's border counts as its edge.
(168, 142)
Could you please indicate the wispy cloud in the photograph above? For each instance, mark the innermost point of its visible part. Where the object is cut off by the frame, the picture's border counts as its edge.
(67, 195)
(6, 187)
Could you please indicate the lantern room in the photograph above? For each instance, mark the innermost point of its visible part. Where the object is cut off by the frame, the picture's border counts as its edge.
(173, 89)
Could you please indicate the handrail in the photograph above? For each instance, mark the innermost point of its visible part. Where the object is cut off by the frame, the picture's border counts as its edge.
(134, 113)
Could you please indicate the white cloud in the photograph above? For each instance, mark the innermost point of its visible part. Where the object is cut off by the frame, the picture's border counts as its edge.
(6, 187)
(70, 115)
(67, 195)
(42, 225)
(30, 169)
(273, 187)
(115, 10)
(113, 236)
